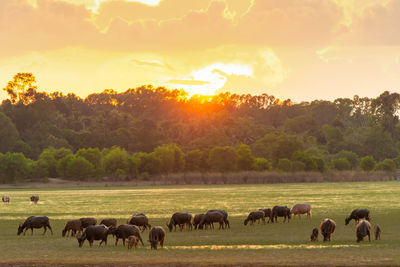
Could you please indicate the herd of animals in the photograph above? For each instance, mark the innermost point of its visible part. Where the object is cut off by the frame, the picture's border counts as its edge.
(87, 228)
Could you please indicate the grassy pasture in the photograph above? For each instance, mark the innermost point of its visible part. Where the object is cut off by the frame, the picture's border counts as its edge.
(270, 244)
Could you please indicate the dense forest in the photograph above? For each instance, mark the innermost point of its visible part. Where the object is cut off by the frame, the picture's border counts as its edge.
(147, 131)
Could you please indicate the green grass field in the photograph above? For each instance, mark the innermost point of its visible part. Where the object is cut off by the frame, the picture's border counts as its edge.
(270, 244)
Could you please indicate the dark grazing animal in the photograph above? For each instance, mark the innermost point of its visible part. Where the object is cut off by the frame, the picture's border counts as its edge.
(88, 221)
(358, 214)
(35, 222)
(327, 227)
(35, 199)
(211, 217)
(301, 209)
(225, 213)
(141, 221)
(363, 229)
(377, 232)
(123, 231)
(94, 232)
(132, 241)
(156, 234)
(109, 222)
(75, 226)
(314, 234)
(267, 213)
(255, 216)
(181, 219)
(139, 214)
(5, 199)
(197, 219)
(280, 211)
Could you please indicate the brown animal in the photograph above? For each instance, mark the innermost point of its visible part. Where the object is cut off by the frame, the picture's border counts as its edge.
(280, 211)
(225, 213)
(94, 232)
(123, 231)
(35, 199)
(156, 234)
(88, 221)
(377, 231)
(357, 215)
(197, 219)
(109, 222)
(75, 226)
(132, 241)
(35, 222)
(141, 221)
(255, 216)
(5, 199)
(211, 217)
(181, 219)
(267, 213)
(314, 234)
(301, 209)
(328, 227)
(363, 229)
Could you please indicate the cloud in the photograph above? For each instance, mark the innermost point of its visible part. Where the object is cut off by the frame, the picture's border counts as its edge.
(171, 25)
(152, 63)
(134, 11)
(197, 29)
(48, 26)
(377, 24)
(188, 82)
(291, 22)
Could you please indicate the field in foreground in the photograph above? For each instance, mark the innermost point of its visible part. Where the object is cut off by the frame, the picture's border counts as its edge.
(270, 244)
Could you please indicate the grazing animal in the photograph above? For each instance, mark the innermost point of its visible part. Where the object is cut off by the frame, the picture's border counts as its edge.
(132, 241)
(180, 219)
(363, 229)
(328, 227)
(35, 222)
(358, 214)
(301, 209)
(94, 232)
(156, 234)
(197, 219)
(211, 217)
(377, 232)
(86, 222)
(267, 213)
(123, 231)
(109, 222)
(139, 214)
(280, 211)
(75, 226)
(225, 213)
(140, 221)
(314, 234)
(35, 199)
(255, 216)
(5, 199)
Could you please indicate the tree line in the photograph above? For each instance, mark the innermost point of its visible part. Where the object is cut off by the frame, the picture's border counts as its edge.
(146, 131)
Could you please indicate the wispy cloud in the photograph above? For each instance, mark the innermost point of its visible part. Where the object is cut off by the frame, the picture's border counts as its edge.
(188, 82)
(152, 63)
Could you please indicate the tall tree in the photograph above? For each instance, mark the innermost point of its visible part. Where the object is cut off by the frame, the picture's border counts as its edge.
(22, 88)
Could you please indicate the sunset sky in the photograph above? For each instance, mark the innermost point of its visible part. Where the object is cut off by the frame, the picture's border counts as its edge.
(297, 49)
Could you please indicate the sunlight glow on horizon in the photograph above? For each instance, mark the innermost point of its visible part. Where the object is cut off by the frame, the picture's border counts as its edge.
(212, 78)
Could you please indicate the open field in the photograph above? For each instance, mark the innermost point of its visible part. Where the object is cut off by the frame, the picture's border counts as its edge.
(270, 244)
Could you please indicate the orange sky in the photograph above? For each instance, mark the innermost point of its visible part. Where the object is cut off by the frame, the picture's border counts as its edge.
(297, 49)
